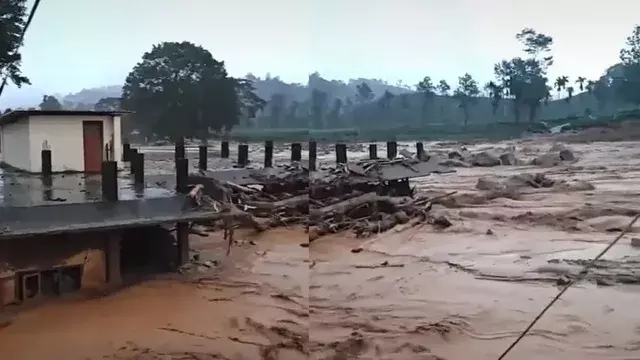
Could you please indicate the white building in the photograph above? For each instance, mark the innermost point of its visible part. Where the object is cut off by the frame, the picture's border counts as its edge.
(78, 140)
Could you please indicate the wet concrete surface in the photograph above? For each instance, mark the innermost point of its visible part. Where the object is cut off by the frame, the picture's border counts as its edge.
(464, 292)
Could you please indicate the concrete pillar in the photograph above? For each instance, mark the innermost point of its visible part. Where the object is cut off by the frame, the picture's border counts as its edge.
(126, 150)
(268, 154)
(419, 150)
(341, 153)
(373, 151)
(182, 235)
(203, 154)
(179, 149)
(313, 155)
(224, 150)
(137, 167)
(109, 174)
(47, 167)
(112, 257)
(392, 149)
(182, 175)
(243, 154)
(296, 152)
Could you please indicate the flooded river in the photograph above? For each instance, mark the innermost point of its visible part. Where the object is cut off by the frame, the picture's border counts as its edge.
(464, 292)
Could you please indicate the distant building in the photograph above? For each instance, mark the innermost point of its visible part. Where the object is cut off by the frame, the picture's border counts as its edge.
(79, 140)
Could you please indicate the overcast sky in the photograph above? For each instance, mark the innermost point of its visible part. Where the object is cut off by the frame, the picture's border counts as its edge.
(75, 44)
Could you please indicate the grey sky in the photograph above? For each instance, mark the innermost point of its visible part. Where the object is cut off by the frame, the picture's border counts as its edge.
(75, 44)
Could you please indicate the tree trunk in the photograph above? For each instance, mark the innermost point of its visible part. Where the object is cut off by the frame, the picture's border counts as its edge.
(532, 112)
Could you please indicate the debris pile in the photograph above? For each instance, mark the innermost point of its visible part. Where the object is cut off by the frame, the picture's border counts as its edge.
(282, 200)
(367, 197)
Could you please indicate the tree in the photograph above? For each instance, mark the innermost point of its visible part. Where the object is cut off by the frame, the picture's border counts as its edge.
(467, 94)
(249, 102)
(335, 112)
(427, 90)
(178, 89)
(627, 86)
(364, 94)
(318, 105)
(561, 84)
(276, 108)
(524, 79)
(443, 89)
(12, 23)
(570, 91)
(580, 81)
(495, 94)
(108, 104)
(50, 103)
(385, 100)
(292, 113)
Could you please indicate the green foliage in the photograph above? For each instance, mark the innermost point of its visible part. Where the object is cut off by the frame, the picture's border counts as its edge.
(467, 94)
(179, 90)
(12, 23)
(627, 86)
(50, 103)
(108, 104)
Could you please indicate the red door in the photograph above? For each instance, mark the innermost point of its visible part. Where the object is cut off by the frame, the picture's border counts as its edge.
(92, 138)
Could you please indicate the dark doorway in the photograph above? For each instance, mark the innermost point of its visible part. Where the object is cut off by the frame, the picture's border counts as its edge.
(146, 251)
(92, 139)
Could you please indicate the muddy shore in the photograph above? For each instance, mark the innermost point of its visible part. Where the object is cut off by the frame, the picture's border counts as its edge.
(463, 292)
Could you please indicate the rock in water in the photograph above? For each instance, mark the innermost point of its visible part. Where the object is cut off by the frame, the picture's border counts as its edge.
(567, 155)
(490, 184)
(486, 159)
(547, 160)
(508, 159)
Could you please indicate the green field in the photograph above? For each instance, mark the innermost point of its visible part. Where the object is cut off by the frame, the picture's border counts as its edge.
(491, 131)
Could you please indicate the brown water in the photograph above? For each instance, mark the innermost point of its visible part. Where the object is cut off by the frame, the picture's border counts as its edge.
(461, 293)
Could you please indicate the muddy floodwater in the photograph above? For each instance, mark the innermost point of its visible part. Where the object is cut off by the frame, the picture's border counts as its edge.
(464, 292)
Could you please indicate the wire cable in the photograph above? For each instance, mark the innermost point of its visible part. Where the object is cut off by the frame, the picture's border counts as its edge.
(582, 273)
(24, 31)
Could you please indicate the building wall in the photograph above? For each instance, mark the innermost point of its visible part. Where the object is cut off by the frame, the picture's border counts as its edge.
(64, 136)
(48, 252)
(15, 145)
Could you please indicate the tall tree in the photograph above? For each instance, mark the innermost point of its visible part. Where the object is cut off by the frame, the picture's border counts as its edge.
(276, 109)
(178, 89)
(319, 101)
(292, 114)
(627, 86)
(443, 89)
(50, 102)
(426, 88)
(467, 94)
(561, 84)
(12, 23)
(335, 112)
(524, 79)
(495, 94)
(581, 81)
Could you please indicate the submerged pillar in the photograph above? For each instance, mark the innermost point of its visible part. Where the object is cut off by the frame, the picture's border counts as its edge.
(243, 154)
(126, 149)
(47, 167)
(341, 153)
(114, 274)
(392, 149)
(268, 154)
(313, 155)
(179, 149)
(373, 151)
(137, 167)
(224, 150)
(296, 152)
(182, 175)
(203, 154)
(109, 174)
(419, 150)
(182, 237)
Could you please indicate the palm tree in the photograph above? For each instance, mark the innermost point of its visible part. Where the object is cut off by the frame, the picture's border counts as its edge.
(570, 91)
(495, 93)
(443, 89)
(561, 84)
(581, 81)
